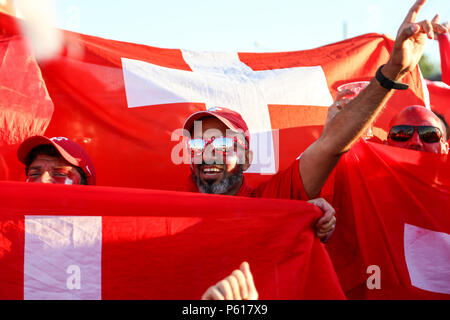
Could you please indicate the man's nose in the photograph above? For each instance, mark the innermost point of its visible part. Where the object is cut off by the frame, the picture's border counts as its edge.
(209, 155)
(45, 178)
(415, 142)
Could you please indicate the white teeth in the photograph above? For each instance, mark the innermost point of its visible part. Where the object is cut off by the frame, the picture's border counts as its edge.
(211, 170)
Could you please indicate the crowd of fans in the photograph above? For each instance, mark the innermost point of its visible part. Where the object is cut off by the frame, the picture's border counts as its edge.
(221, 150)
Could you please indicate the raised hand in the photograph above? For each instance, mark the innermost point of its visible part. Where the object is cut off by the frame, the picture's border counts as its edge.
(410, 42)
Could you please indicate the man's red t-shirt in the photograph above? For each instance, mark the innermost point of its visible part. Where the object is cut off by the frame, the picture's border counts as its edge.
(286, 184)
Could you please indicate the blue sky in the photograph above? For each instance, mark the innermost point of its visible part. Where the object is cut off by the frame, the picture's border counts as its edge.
(240, 25)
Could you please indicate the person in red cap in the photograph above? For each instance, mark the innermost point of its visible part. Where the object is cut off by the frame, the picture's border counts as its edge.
(220, 152)
(56, 160)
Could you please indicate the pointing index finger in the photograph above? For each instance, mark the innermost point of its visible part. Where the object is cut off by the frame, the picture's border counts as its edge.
(412, 14)
(435, 19)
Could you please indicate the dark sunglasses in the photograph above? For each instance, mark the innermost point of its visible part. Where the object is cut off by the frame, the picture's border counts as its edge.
(427, 134)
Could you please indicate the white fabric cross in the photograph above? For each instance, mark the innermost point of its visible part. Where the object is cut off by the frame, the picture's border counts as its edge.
(221, 79)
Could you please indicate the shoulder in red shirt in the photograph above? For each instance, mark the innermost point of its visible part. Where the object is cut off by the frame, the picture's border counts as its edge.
(286, 184)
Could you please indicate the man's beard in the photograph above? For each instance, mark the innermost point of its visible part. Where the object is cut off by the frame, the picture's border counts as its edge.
(223, 186)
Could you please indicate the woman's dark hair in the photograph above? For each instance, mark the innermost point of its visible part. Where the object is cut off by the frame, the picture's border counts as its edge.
(49, 150)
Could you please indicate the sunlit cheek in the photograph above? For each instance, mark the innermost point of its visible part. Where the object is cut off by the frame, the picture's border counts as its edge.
(435, 148)
(40, 179)
(61, 180)
(231, 161)
(68, 179)
(196, 158)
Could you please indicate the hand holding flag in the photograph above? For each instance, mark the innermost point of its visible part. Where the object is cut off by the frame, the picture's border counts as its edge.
(325, 225)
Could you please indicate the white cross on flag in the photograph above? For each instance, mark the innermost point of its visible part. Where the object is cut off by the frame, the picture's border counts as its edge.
(221, 79)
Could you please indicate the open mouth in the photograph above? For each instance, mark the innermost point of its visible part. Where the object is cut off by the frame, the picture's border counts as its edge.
(211, 172)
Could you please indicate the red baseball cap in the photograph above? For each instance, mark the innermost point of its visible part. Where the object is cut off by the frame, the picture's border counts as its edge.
(71, 151)
(230, 118)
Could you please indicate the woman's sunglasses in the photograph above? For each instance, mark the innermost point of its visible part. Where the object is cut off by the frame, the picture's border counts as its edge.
(427, 134)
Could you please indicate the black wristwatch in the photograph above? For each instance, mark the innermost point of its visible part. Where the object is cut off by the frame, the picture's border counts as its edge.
(388, 83)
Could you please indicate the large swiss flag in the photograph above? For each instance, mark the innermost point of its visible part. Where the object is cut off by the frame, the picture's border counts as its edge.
(124, 101)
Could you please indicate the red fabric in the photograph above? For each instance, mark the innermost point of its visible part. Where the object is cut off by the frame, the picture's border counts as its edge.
(378, 190)
(286, 184)
(25, 106)
(444, 49)
(132, 148)
(439, 97)
(87, 88)
(440, 91)
(167, 245)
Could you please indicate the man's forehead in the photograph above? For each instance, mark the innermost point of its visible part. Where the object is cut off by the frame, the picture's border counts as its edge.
(208, 126)
(210, 122)
(417, 116)
(42, 159)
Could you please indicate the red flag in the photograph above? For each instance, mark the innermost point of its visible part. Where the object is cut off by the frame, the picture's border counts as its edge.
(116, 243)
(25, 106)
(444, 50)
(123, 101)
(392, 211)
(439, 97)
(440, 91)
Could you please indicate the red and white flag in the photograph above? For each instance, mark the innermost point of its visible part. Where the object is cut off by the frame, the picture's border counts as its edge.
(392, 239)
(123, 102)
(83, 242)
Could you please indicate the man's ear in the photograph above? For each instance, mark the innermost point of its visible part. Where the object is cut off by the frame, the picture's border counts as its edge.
(444, 148)
(248, 159)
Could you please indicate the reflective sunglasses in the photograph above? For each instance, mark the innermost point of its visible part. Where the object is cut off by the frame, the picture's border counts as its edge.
(221, 145)
(427, 134)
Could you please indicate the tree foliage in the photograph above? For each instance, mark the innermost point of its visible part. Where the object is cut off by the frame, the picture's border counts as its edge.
(427, 67)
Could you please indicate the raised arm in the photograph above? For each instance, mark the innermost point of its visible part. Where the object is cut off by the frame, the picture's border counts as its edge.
(344, 129)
